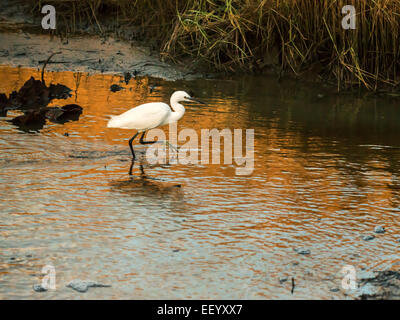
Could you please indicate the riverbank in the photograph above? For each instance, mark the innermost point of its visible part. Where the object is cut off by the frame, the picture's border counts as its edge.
(23, 43)
(97, 55)
(304, 39)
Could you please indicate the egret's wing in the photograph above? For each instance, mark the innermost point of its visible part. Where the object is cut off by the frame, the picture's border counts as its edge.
(144, 117)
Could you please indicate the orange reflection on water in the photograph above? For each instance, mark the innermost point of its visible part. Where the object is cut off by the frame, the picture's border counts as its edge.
(304, 192)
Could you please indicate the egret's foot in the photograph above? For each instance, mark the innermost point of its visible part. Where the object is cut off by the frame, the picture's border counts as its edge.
(176, 149)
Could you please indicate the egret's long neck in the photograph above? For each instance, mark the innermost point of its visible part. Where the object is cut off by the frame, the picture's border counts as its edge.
(179, 111)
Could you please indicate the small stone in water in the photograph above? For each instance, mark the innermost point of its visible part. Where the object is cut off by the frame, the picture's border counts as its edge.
(302, 250)
(368, 237)
(84, 285)
(39, 288)
(283, 279)
(379, 229)
(334, 289)
(115, 88)
(78, 285)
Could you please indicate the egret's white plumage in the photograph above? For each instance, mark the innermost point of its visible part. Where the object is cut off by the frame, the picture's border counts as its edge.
(144, 117)
(151, 115)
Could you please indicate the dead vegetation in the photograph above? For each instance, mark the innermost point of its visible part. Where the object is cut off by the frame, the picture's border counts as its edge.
(283, 36)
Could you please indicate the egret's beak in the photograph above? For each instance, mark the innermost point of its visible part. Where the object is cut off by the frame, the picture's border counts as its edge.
(195, 100)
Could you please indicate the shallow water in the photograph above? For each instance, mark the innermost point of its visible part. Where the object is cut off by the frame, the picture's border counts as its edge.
(326, 173)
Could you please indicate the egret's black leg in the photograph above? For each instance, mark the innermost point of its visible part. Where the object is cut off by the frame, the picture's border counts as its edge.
(141, 169)
(130, 145)
(131, 167)
(145, 142)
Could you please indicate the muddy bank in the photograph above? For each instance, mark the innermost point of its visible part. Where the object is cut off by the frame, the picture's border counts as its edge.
(90, 54)
(24, 43)
(279, 37)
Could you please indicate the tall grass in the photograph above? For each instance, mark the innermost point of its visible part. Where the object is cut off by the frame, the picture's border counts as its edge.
(286, 35)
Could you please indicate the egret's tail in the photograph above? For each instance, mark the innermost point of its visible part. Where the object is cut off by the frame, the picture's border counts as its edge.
(113, 122)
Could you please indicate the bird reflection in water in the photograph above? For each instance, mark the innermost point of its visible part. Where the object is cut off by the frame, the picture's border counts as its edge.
(144, 185)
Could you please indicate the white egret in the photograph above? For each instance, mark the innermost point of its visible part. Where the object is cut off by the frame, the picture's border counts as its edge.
(151, 115)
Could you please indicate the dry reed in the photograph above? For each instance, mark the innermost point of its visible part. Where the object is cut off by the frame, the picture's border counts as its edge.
(284, 35)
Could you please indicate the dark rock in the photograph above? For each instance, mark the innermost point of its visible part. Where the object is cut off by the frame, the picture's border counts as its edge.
(303, 251)
(31, 120)
(53, 113)
(32, 95)
(116, 87)
(39, 288)
(69, 112)
(59, 91)
(36, 119)
(32, 98)
(3, 105)
(379, 229)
